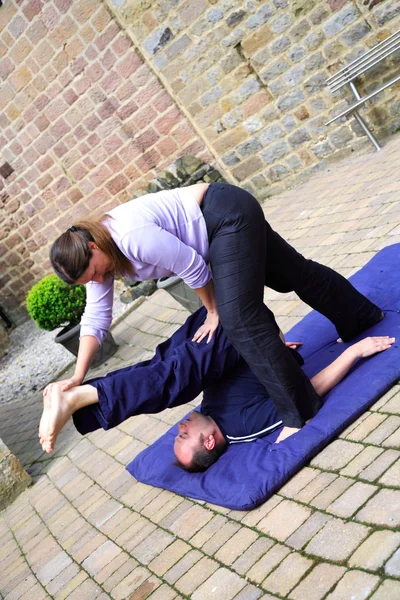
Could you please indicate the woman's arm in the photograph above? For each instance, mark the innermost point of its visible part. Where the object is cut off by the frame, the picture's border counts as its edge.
(88, 346)
(326, 379)
(207, 296)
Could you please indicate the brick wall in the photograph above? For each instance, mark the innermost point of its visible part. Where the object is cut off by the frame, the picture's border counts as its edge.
(84, 123)
(98, 97)
(251, 76)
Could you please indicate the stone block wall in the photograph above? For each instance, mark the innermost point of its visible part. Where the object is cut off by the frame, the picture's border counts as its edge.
(84, 123)
(251, 75)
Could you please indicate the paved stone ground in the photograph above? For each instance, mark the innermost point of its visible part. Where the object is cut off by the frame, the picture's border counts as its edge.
(86, 529)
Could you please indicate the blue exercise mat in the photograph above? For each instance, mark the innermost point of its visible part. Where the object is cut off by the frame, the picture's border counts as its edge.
(248, 474)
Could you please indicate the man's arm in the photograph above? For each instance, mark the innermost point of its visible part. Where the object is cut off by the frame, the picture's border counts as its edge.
(326, 379)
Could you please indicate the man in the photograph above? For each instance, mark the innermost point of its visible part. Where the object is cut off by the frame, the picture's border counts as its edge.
(235, 408)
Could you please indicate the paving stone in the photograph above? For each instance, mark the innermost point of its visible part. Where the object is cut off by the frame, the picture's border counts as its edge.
(76, 581)
(267, 563)
(101, 557)
(283, 520)
(393, 441)
(356, 585)
(162, 500)
(150, 547)
(390, 402)
(309, 528)
(235, 547)
(182, 566)
(164, 592)
(194, 577)
(145, 588)
(392, 567)
(22, 588)
(87, 590)
(190, 522)
(51, 569)
(213, 526)
(362, 461)
(316, 486)
(332, 491)
(36, 592)
(173, 515)
(222, 584)
(250, 592)
(119, 574)
(317, 583)
(392, 476)
(375, 550)
(130, 583)
(389, 590)
(288, 574)
(119, 523)
(252, 555)
(88, 544)
(368, 425)
(351, 500)
(254, 516)
(298, 482)
(379, 465)
(336, 455)
(219, 538)
(136, 540)
(382, 509)
(169, 557)
(384, 430)
(108, 570)
(107, 509)
(337, 540)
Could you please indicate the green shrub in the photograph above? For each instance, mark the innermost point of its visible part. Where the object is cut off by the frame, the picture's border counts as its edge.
(52, 303)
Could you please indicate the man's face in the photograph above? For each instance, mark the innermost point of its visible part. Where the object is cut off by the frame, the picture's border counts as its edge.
(188, 439)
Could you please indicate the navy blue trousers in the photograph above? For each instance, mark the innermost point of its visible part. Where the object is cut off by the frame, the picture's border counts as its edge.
(177, 374)
(246, 255)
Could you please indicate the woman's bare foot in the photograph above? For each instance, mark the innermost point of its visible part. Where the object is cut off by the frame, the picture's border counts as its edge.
(285, 433)
(57, 409)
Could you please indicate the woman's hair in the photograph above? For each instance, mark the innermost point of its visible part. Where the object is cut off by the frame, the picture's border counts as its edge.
(70, 254)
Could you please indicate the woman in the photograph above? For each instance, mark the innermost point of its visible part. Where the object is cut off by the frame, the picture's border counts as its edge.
(179, 232)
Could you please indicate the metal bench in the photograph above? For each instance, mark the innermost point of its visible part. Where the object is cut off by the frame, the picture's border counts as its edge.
(352, 71)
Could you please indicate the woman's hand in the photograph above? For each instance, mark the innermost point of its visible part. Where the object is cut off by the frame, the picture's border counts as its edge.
(372, 345)
(293, 345)
(66, 384)
(208, 328)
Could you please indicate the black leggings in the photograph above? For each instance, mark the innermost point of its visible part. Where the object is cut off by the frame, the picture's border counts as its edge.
(246, 255)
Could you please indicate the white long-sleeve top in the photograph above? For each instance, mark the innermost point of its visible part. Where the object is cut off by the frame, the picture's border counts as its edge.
(162, 234)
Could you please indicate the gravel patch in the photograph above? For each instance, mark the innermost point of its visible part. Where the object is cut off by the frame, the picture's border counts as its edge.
(33, 358)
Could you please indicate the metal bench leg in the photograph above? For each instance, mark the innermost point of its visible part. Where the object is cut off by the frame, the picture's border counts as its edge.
(364, 126)
(361, 121)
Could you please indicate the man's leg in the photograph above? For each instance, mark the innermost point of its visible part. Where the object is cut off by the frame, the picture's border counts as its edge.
(318, 286)
(177, 374)
(152, 386)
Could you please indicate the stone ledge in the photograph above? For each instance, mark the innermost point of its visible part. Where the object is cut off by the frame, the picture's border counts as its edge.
(13, 478)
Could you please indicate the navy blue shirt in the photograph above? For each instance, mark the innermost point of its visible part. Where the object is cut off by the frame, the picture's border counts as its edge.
(240, 406)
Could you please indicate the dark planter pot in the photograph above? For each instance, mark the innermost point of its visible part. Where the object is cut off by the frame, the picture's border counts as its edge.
(181, 292)
(69, 338)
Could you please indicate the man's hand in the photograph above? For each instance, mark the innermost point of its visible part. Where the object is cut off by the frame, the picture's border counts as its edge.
(372, 345)
(208, 328)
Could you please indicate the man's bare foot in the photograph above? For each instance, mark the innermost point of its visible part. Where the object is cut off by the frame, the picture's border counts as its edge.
(285, 433)
(57, 409)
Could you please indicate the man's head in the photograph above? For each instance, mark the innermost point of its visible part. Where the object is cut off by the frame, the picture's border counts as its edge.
(199, 442)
